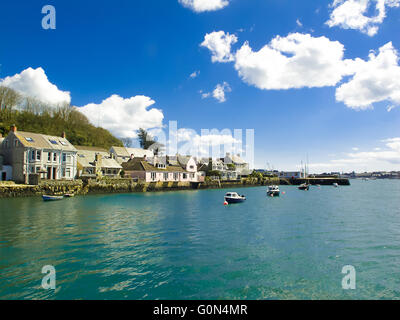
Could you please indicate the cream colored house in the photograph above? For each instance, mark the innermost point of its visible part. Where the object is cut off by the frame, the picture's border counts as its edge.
(96, 162)
(28, 153)
(122, 154)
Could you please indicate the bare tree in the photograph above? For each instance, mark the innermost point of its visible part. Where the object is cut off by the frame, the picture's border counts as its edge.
(9, 98)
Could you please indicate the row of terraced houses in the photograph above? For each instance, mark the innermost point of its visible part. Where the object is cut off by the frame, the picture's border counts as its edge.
(24, 155)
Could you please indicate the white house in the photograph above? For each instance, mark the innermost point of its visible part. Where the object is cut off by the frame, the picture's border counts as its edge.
(33, 153)
(141, 169)
(241, 166)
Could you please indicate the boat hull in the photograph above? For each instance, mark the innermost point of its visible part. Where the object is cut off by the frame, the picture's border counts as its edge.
(273, 193)
(304, 188)
(52, 198)
(233, 200)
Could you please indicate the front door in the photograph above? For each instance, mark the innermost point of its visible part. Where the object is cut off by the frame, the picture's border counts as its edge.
(49, 173)
(54, 173)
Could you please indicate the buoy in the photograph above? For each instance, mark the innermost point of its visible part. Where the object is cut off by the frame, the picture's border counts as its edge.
(226, 203)
(283, 192)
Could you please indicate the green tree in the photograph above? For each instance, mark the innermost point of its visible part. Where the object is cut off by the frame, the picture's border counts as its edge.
(145, 139)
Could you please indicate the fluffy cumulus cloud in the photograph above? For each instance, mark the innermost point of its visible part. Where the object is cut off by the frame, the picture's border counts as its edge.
(301, 60)
(204, 5)
(34, 83)
(353, 14)
(296, 61)
(375, 80)
(220, 43)
(124, 116)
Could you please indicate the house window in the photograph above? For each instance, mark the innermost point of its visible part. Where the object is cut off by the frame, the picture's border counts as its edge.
(49, 157)
(15, 143)
(55, 157)
(33, 155)
(68, 173)
(176, 176)
(192, 175)
(153, 176)
(165, 176)
(63, 172)
(38, 155)
(64, 157)
(184, 176)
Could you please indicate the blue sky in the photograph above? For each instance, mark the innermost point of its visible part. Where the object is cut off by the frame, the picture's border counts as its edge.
(143, 53)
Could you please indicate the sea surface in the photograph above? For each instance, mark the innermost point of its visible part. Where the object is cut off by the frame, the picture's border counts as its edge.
(188, 245)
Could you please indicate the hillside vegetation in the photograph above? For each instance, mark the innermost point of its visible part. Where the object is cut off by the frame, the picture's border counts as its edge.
(35, 116)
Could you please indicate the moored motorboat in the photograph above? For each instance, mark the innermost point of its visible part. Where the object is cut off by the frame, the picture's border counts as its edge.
(234, 197)
(304, 187)
(273, 191)
(69, 195)
(336, 185)
(52, 198)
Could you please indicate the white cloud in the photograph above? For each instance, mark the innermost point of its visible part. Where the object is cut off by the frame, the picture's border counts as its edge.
(220, 90)
(351, 14)
(375, 80)
(34, 83)
(219, 43)
(355, 149)
(195, 74)
(204, 5)
(298, 22)
(208, 144)
(385, 158)
(124, 116)
(390, 108)
(218, 93)
(296, 61)
(301, 60)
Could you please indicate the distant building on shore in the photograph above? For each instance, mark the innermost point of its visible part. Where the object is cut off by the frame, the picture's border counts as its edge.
(290, 174)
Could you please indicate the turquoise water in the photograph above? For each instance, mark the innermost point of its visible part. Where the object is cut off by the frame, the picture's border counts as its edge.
(187, 245)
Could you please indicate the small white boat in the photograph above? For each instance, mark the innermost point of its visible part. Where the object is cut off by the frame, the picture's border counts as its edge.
(52, 198)
(304, 187)
(233, 197)
(336, 185)
(273, 191)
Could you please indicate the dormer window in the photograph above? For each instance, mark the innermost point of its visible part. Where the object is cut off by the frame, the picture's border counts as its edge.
(161, 166)
(29, 139)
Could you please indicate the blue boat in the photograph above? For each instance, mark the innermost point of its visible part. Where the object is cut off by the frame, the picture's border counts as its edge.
(233, 197)
(52, 198)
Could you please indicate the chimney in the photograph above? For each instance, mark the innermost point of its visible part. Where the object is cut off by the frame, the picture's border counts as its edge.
(132, 156)
(13, 128)
(63, 135)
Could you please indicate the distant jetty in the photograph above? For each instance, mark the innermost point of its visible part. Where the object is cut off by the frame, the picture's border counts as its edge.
(315, 181)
